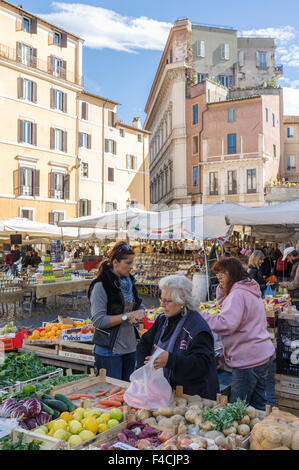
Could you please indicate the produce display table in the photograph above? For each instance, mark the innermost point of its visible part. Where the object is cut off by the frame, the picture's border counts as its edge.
(60, 288)
(83, 366)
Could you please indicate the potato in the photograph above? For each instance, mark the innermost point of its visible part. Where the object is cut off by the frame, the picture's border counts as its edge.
(228, 431)
(295, 441)
(220, 441)
(178, 418)
(245, 420)
(182, 429)
(208, 403)
(194, 399)
(251, 412)
(165, 423)
(158, 418)
(181, 402)
(195, 408)
(235, 424)
(165, 411)
(213, 434)
(180, 410)
(191, 415)
(207, 425)
(150, 421)
(253, 422)
(243, 429)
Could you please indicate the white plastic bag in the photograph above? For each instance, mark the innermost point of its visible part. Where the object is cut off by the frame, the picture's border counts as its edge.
(148, 389)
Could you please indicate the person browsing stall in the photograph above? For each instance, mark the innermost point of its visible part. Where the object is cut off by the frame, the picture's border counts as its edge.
(292, 256)
(242, 328)
(188, 359)
(115, 310)
(255, 262)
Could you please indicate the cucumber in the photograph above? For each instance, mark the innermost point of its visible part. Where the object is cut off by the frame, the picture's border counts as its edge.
(47, 397)
(47, 409)
(56, 414)
(71, 407)
(56, 405)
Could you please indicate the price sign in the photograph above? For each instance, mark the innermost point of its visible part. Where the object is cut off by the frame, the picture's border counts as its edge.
(143, 290)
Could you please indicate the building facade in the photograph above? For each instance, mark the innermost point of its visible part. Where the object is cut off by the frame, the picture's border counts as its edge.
(40, 76)
(187, 115)
(64, 152)
(114, 171)
(290, 162)
(233, 146)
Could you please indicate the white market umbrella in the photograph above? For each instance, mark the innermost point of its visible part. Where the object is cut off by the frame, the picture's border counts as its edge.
(19, 225)
(278, 222)
(195, 222)
(114, 220)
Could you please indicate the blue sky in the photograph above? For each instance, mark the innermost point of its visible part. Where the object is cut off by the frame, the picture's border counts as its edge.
(124, 40)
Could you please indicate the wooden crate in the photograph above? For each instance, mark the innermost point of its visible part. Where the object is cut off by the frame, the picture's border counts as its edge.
(91, 386)
(49, 346)
(76, 350)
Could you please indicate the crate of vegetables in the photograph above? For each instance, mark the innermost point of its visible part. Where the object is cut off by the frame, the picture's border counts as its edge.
(18, 369)
(101, 391)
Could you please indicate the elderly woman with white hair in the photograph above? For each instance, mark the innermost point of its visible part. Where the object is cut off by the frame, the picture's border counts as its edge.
(188, 358)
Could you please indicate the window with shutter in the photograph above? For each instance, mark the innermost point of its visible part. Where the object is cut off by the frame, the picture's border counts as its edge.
(251, 181)
(84, 111)
(66, 188)
(111, 175)
(213, 183)
(231, 143)
(36, 182)
(110, 206)
(224, 51)
(200, 48)
(291, 163)
(84, 170)
(33, 26)
(232, 115)
(27, 214)
(26, 24)
(232, 182)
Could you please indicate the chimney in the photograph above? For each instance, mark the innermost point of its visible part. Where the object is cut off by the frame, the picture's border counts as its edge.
(136, 122)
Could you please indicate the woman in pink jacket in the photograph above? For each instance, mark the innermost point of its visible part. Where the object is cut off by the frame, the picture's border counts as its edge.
(242, 328)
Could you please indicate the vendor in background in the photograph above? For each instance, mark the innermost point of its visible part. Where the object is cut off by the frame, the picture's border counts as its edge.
(255, 262)
(268, 265)
(292, 256)
(115, 309)
(27, 259)
(242, 328)
(35, 259)
(188, 359)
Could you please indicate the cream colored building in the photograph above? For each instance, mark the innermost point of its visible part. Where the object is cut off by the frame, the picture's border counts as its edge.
(114, 171)
(290, 162)
(40, 77)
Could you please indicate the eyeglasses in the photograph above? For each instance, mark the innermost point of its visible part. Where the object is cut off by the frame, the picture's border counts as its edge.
(221, 274)
(165, 301)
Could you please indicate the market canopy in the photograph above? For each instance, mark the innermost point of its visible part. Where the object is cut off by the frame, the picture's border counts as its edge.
(114, 220)
(275, 222)
(19, 225)
(196, 222)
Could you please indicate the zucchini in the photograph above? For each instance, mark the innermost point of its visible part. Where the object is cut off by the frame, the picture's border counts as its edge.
(47, 409)
(56, 405)
(47, 397)
(56, 414)
(71, 407)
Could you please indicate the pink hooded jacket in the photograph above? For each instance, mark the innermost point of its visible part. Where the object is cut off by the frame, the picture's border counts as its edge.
(242, 326)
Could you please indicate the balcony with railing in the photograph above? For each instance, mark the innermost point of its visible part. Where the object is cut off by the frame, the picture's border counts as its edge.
(31, 61)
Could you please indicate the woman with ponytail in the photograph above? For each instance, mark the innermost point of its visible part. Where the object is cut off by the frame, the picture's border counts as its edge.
(115, 309)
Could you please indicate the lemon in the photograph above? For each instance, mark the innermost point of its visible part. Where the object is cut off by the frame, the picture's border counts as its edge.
(75, 427)
(66, 416)
(79, 410)
(78, 416)
(74, 440)
(105, 417)
(85, 435)
(59, 424)
(103, 427)
(91, 424)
